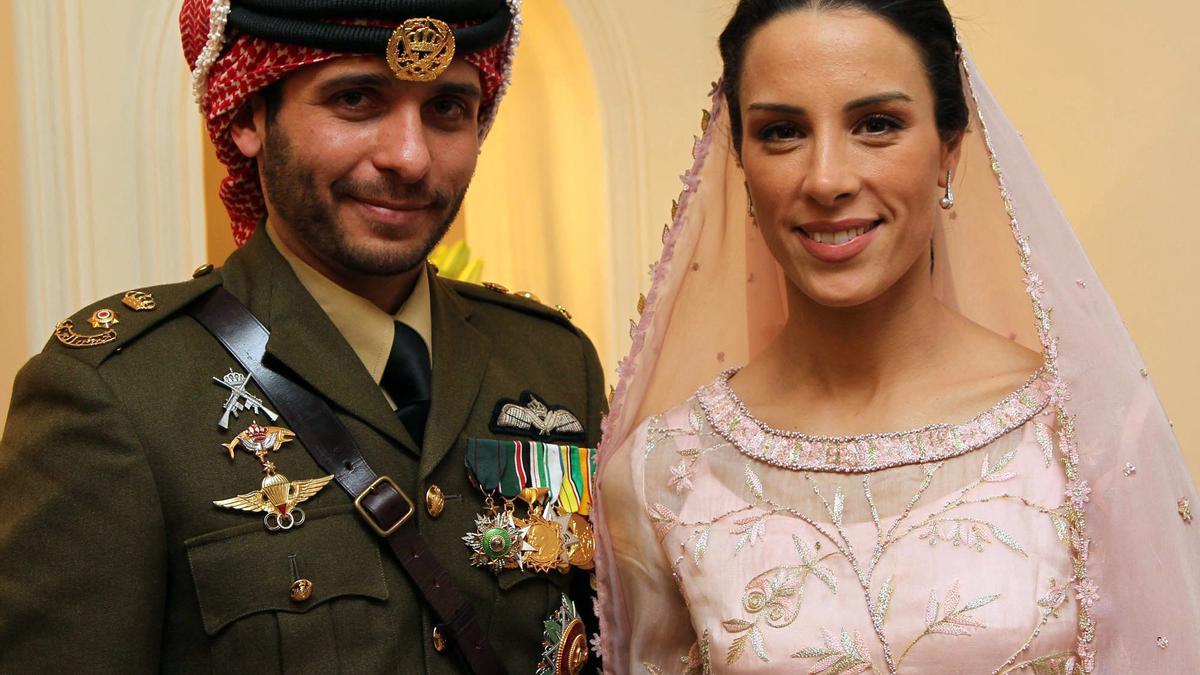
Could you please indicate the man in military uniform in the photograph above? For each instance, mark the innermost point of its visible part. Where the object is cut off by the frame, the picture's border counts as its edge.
(163, 508)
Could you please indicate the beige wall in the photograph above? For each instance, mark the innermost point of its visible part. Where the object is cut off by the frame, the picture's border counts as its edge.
(1105, 93)
(13, 350)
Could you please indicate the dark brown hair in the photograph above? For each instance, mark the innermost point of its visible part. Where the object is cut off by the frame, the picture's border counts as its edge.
(927, 22)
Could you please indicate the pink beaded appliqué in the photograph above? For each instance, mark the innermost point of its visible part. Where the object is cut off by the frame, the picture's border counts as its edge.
(870, 452)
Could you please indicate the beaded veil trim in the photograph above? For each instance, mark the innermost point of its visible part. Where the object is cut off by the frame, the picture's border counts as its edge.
(794, 450)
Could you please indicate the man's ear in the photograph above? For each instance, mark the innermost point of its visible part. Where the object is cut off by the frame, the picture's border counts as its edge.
(249, 127)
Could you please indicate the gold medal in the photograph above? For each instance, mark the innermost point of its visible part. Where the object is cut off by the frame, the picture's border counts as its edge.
(582, 551)
(564, 642)
(572, 649)
(543, 544)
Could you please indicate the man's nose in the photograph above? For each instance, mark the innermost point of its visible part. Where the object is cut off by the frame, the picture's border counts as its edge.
(402, 146)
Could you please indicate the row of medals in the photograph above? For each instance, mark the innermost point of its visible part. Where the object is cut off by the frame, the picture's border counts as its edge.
(547, 539)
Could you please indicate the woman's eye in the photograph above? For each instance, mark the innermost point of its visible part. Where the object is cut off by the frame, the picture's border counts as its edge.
(876, 125)
(782, 131)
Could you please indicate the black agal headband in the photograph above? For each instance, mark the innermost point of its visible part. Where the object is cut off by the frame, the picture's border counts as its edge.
(420, 49)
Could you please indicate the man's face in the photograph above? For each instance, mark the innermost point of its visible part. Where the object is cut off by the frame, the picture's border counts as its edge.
(363, 170)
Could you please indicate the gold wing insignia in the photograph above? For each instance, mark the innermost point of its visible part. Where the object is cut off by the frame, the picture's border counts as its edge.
(517, 417)
(301, 490)
(251, 501)
(562, 421)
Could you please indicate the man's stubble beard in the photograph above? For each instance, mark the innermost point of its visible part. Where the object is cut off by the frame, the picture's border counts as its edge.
(297, 202)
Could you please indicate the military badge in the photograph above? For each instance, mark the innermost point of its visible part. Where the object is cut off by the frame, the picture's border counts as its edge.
(421, 49)
(554, 481)
(65, 332)
(139, 301)
(279, 498)
(103, 318)
(259, 440)
(240, 399)
(532, 417)
(564, 642)
(496, 541)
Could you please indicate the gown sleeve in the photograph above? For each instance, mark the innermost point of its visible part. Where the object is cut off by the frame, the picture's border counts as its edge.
(649, 630)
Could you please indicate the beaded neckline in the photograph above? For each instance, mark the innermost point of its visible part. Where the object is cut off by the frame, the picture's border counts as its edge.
(730, 418)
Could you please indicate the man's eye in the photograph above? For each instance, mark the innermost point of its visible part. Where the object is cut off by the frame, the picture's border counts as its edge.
(876, 125)
(352, 99)
(447, 107)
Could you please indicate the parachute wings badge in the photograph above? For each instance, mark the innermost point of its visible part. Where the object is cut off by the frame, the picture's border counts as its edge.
(279, 498)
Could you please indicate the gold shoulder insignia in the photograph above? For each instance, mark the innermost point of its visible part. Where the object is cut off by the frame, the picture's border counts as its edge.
(102, 318)
(139, 301)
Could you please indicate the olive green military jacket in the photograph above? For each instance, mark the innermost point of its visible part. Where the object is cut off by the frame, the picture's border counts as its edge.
(113, 557)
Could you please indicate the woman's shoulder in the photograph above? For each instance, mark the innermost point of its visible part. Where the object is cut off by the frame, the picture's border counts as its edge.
(987, 367)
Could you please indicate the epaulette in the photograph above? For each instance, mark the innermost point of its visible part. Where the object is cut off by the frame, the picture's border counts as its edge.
(103, 328)
(520, 300)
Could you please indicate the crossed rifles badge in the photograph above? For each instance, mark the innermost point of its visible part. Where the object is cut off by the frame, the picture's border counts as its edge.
(240, 399)
(278, 497)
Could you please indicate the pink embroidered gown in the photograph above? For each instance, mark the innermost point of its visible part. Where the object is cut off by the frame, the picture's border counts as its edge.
(939, 550)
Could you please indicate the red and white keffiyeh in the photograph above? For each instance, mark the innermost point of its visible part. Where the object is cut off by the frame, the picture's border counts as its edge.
(230, 73)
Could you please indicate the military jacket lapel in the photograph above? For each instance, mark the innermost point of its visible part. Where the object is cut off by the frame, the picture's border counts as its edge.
(460, 358)
(304, 340)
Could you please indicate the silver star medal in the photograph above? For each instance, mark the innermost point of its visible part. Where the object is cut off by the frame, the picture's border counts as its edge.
(496, 542)
(240, 400)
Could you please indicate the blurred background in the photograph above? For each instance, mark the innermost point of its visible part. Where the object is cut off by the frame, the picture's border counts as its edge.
(107, 181)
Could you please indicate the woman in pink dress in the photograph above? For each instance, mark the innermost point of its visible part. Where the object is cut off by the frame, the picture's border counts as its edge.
(914, 435)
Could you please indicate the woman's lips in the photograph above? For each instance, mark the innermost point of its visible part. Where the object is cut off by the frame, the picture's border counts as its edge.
(835, 242)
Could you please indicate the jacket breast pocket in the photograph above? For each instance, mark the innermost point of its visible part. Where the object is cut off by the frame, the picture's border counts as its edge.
(311, 599)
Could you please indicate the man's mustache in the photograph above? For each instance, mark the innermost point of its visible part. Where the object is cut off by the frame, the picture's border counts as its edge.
(391, 193)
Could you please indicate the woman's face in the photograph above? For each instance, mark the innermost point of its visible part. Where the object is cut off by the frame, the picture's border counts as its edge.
(841, 151)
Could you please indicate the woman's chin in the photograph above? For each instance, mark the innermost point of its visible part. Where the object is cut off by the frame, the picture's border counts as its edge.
(841, 293)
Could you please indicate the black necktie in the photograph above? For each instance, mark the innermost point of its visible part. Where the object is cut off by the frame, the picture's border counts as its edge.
(407, 379)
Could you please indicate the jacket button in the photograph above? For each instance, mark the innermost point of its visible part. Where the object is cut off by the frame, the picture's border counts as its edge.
(301, 590)
(435, 501)
(202, 270)
(439, 640)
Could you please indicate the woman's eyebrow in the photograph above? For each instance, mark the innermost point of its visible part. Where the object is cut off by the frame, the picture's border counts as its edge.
(857, 103)
(877, 98)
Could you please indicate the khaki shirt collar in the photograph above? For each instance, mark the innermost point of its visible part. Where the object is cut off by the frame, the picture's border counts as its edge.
(367, 329)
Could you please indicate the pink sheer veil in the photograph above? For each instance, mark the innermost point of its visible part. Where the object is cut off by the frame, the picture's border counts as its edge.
(1007, 258)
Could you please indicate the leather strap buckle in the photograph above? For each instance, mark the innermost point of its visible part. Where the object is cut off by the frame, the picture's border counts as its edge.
(383, 530)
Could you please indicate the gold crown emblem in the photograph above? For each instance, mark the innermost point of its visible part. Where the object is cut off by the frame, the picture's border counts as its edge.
(424, 39)
(421, 49)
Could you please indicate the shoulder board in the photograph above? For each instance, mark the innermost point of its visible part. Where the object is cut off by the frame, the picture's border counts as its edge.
(498, 295)
(97, 331)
